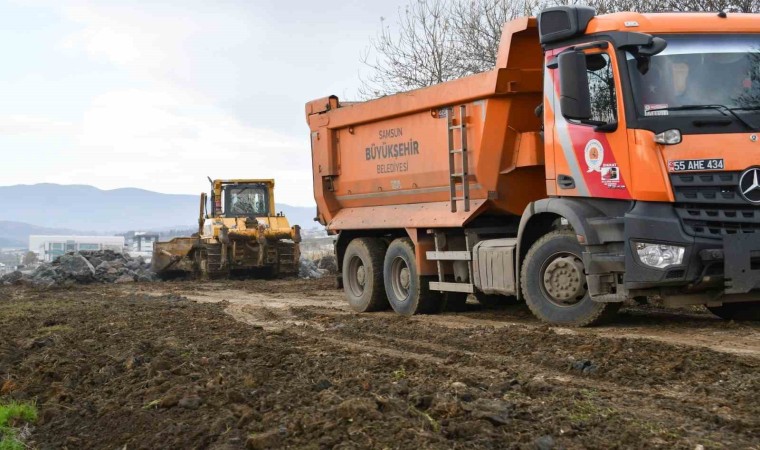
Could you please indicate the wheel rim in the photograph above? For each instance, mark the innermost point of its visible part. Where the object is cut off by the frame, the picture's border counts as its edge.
(563, 281)
(401, 279)
(357, 276)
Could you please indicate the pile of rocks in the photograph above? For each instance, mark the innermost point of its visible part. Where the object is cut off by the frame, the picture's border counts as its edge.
(318, 267)
(104, 266)
(328, 264)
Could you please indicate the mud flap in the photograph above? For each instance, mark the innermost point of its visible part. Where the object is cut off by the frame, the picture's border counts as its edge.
(742, 262)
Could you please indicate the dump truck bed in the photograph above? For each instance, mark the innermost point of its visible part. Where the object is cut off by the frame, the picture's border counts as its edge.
(386, 163)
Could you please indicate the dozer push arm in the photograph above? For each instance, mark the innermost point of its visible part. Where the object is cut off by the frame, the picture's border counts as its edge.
(201, 214)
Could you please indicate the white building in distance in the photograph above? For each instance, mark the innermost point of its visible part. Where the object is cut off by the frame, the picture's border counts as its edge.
(48, 248)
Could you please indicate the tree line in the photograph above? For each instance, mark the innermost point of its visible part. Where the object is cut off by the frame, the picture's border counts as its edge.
(432, 41)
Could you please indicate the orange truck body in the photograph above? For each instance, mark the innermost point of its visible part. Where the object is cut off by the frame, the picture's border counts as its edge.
(382, 167)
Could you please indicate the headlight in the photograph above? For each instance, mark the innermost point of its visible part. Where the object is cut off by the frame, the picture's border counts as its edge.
(670, 137)
(659, 256)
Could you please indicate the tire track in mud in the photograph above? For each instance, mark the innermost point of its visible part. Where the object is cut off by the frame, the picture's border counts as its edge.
(670, 405)
(666, 406)
(652, 376)
(698, 331)
(649, 324)
(308, 372)
(673, 404)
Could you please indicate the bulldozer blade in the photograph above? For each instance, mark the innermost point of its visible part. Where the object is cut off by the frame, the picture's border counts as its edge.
(174, 256)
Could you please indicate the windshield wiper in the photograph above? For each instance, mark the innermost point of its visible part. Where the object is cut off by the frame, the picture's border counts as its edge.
(725, 110)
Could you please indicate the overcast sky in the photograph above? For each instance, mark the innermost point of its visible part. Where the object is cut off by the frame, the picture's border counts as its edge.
(160, 94)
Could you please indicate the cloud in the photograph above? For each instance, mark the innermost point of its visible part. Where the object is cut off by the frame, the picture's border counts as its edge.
(158, 140)
(164, 128)
(197, 46)
(23, 125)
(158, 95)
(168, 143)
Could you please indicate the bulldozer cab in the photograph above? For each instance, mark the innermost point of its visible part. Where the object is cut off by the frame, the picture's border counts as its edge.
(242, 198)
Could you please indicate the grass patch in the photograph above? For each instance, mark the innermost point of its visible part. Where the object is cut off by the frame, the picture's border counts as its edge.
(10, 414)
(399, 374)
(648, 427)
(586, 408)
(60, 329)
(432, 422)
(150, 405)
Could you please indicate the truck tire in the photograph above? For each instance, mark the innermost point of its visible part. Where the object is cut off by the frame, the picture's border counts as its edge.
(554, 283)
(408, 293)
(363, 275)
(747, 311)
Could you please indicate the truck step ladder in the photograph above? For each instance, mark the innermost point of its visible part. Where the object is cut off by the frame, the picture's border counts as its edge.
(458, 178)
(439, 255)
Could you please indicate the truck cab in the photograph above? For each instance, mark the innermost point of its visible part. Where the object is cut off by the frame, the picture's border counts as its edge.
(654, 118)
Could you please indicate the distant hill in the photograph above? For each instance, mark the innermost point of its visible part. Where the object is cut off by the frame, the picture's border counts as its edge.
(86, 208)
(16, 234)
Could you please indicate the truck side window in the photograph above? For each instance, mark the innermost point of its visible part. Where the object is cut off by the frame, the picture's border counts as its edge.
(601, 83)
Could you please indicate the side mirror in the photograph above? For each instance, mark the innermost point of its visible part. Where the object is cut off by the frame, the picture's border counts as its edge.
(644, 53)
(574, 94)
(656, 47)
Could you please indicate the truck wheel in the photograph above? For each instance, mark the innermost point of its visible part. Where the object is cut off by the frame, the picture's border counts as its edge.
(408, 293)
(554, 283)
(494, 301)
(737, 311)
(363, 275)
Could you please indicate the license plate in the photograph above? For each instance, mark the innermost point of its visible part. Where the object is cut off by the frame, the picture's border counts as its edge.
(695, 165)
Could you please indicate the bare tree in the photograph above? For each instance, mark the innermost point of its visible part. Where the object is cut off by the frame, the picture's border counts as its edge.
(744, 6)
(29, 258)
(644, 6)
(477, 25)
(435, 41)
(419, 52)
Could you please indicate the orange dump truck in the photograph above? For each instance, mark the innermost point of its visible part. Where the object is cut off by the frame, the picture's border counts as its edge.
(603, 158)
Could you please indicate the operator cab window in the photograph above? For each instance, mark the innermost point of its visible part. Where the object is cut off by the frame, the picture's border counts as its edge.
(601, 84)
(246, 201)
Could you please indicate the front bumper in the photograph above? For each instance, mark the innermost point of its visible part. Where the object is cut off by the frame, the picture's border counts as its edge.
(730, 264)
(741, 261)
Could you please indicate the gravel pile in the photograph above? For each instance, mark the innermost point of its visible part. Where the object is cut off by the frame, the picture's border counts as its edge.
(104, 266)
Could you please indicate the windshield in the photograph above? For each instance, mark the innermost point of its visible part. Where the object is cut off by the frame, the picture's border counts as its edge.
(245, 200)
(699, 70)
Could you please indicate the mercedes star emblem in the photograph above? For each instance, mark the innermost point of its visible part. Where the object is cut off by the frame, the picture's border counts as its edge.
(749, 185)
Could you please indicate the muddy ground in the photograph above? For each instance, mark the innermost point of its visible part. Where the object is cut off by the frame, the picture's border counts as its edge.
(276, 364)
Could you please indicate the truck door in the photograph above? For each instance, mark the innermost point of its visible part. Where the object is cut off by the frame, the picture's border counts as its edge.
(588, 158)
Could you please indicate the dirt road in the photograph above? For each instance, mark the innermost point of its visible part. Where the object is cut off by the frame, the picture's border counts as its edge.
(285, 364)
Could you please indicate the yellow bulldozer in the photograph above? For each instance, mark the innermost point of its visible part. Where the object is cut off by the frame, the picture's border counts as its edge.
(239, 233)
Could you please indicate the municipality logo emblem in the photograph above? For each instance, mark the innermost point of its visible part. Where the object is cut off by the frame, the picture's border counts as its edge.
(594, 156)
